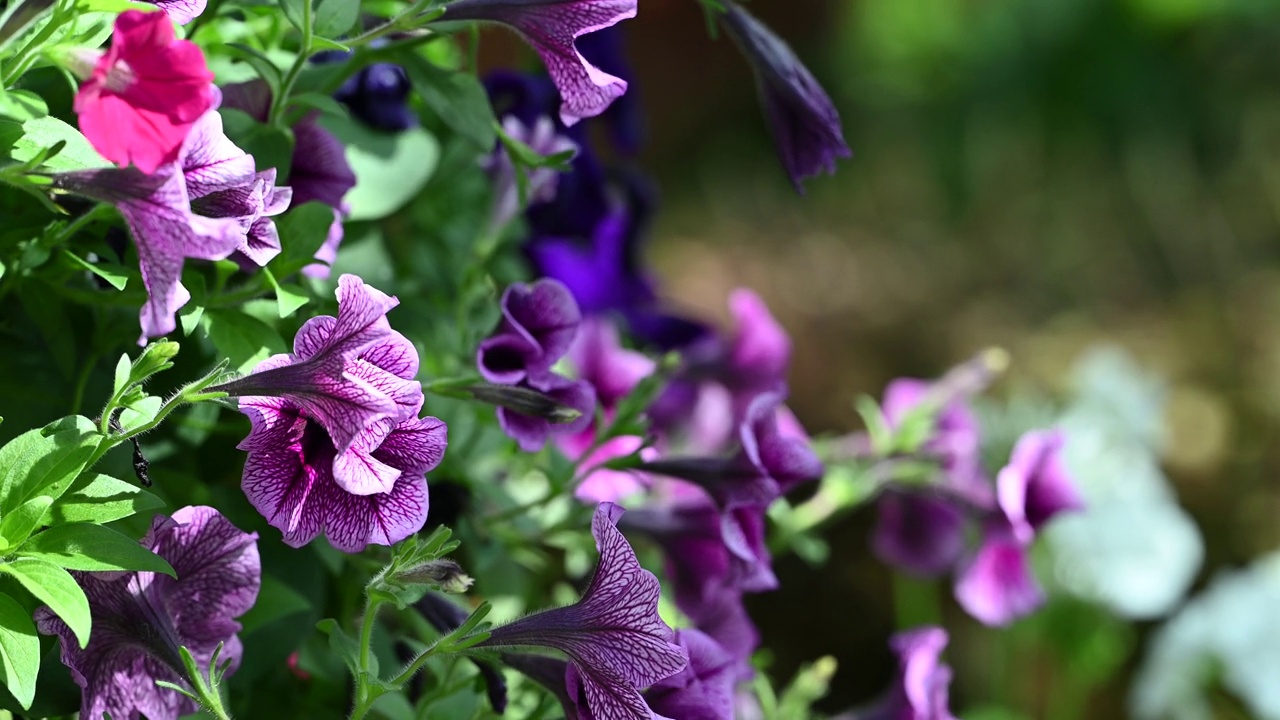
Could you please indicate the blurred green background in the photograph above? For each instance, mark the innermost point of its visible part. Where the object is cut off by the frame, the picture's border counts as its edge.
(1042, 175)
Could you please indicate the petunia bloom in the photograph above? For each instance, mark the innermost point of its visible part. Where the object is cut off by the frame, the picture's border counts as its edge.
(539, 183)
(145, 93)
(996, 585)
(533, 431)
(206, 205)
(552, 27)
(181, 11)
(346, 374)
(539, 322)
(1035, 486)
(614, 639)
(804, 122)
(921, 689)
(704, 689)
(923, 535)
(141, 619)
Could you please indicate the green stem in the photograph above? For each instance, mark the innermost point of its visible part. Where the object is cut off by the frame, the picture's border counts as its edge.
(388, 27)
(26, 57)
(281, 100)
(365, 697)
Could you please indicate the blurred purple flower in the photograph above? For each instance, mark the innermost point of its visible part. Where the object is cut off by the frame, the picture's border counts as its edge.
(532, 431)
(1035, 486)
(540, 183)
(552, 27)
(597, 355)
(346, 374)
(956, 439)
(996, 585)
(141, 619)
(921, 689)
(208, 204)
(804, 122)
(378, 95)
(923, 535)
(613, 637)
(704, 689)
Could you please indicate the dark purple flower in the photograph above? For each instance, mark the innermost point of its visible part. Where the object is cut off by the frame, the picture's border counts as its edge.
(378, 95)
(1035, 486)
(804, 122)
(923, 535)
(552, 27)
(539, 322)
(704, 689)
(369, 491)
(532, 431)
(346, 374)
(208, 204)
(599, 273)
(614, 639)
(921, 689)
(141, 619)
(996, 584)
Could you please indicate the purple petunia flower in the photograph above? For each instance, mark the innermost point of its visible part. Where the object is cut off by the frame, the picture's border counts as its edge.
(956, 439)
(207, 205)
(704, 689)
(996, 585)
(540, 183)
(141, 619)
(804, 122)
(1035, 486)
(923, 535)
(180, 11)
(346, 374)
(532, 431)
(371, 490)
(922, 687)
(552, 27)
(378, 96)
(615, 642)
(539, 322)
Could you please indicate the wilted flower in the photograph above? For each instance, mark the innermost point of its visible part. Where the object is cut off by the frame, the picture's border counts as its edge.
(206, 205)
(921, 690)
(141, 619)
(552, 27)
(615, 642)
(561, 406)
(142, 96)
(704, 689)
(804, 122)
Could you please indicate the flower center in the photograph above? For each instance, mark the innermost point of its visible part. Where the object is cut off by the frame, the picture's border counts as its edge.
(120, 77)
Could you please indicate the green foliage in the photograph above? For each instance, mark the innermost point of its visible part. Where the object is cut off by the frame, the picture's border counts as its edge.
(85, 546)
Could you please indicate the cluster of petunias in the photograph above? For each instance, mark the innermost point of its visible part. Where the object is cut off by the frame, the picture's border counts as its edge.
(924, 529)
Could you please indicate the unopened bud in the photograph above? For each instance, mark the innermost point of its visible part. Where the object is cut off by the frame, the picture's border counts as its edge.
(443, 574)
(526, 401)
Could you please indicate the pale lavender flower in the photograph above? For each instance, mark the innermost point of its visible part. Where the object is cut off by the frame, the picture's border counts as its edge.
(540, 183)
(613, 637)
(921, 689)
(206, 206)
(539, 323)
(704, 689)
(346, 374)
(804, 122)
(1035, 486)
(141, 619)
(552, 27)
(371, 491)
(180, 11)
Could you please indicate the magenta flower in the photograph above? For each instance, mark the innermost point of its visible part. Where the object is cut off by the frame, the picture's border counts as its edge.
(207, 205)
(759, 353)
(996, 585)
(144, 94)
(704, 689)
(956, 440)
(615, 642)
(598, 357)
(1035, 486)
(804, 122)
(539, 323)
(140, 619)
(552, 27)
(347, 374)
(921, 690)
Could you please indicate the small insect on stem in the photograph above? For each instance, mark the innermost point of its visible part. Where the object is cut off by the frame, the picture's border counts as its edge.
(141, 466)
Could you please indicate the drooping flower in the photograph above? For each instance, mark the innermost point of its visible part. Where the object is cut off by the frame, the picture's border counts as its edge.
(921, 689)
(804, 122)
(141, 619)
(921, 534)
(145, 93)
(996, 585)
(206, 205)
(346, 374)
(539, 322)
(552, 27)
(539, 183)
(704, 689)
(1035, 486)
(614, 639)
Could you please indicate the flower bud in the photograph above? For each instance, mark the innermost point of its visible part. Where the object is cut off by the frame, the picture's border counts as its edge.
(443, 574)
(526, 401)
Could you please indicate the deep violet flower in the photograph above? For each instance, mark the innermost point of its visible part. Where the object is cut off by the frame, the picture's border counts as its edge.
(378, 96)
(704, 689)
(206, 205)
(539, 322)
(614, 639)
(552, 27)
(920, 534)
(804, 122)
(142, 96)
(141, 619)
(348, 375)
(921, 689)
(539, 183)
(1035, 486)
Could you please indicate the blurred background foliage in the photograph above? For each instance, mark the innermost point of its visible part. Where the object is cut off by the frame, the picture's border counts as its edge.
(1044, 175)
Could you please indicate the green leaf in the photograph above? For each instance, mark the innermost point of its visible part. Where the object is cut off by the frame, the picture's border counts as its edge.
(121, 379)
(18, 17)
(319, 43)
(84, 546)
(276, 600)
(23, 520)
(457, 97)
(333, 18)
(260, 63)
(344, 646)
(114, 278)
(293, 11)
(243, 340)
(390, 169)
(22, 105)
(56, 588)
(37, 135)
(139, 412)
(45, 461)
(19, 650)
(288, 297)
(102, 500)
(302, 231)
